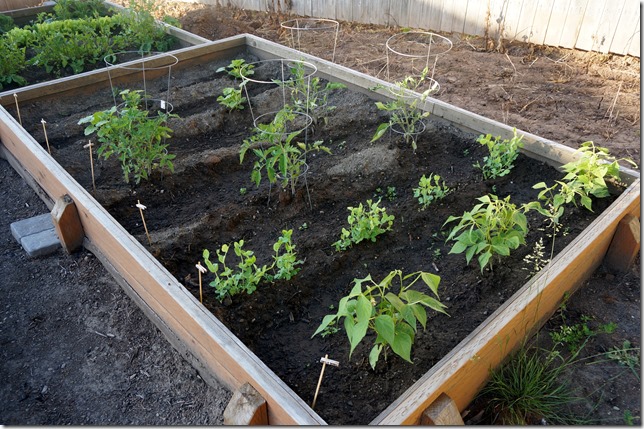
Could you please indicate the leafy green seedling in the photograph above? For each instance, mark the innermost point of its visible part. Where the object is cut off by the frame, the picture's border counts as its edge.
(232, 98)
(493, 227)
(365, 223)
(238, 69)
(428, 192)
(502, 154)
(134, 137)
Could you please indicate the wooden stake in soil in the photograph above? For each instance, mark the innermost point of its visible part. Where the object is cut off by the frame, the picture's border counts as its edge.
(202, 270)
(46, 139)
(325, 360)
(141, 208)
(91, 158)
(15, 96)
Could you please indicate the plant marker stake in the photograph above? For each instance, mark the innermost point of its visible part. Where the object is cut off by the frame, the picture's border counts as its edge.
(325, 360)
(91, 159)
(141, 208)
(201, 270)
(46, 139)
(15, 96)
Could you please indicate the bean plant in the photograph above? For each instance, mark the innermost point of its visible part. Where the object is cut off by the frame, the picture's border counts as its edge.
(430, 189)
(392, 317)
(493, 227)
(406, 117)
(502, 154)
(365, 223)
(230, 281)
(133, 136)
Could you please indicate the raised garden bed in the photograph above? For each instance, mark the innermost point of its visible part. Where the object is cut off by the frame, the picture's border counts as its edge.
(37, 73)
(201, 206)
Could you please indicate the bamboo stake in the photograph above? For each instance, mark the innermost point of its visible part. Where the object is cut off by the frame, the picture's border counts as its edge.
(202, 270)
(15, 96)
(91, 160)
(141, 208)
(325, 360)
(47, 140)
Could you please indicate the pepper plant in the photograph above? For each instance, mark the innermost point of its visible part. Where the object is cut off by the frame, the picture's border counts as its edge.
(238, 67)
(307, 94)
(406, 117)
(392, 317)
(365, 223)
(502, 154)
(135, 138)
(493, 227)
(232, 98)
(278, 153)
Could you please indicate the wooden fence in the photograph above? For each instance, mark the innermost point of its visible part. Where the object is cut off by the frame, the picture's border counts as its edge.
(18, 4)
(591, 25)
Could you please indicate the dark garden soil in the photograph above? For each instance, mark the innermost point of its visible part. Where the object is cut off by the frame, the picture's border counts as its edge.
(201, 206)
(562, 95)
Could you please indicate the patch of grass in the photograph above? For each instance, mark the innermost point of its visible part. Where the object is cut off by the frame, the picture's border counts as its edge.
(529, 389)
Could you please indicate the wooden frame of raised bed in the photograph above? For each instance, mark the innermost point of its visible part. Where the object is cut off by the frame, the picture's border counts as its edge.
(213, 349)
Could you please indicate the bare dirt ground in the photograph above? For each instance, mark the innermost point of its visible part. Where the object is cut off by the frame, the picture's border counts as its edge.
(76, 350)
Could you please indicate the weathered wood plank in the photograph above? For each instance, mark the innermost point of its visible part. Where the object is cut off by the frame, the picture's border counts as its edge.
(627, 40)
(573, 23)
(556, 23)
(541, 21)
(588, 37)
(67, 224)
(476, 19)
(323, 9)
(525, 30)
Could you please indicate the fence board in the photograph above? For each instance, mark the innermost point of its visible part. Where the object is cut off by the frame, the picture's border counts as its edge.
(434, 19)
(572, 26)
(323, 8)
(628, 26)
(525, 25)
(588, 37)
(541, 21)
(399, 12)
(582, 24)
(476, 18)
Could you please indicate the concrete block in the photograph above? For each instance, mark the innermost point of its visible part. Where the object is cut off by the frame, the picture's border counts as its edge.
(32, 225)
(41, 243)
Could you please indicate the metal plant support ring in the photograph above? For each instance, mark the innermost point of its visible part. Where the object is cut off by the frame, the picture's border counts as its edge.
(298, 25)
(143, 62)
(418, 45)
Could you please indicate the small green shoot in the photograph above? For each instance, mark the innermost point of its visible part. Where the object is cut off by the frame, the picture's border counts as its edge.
(365, 223)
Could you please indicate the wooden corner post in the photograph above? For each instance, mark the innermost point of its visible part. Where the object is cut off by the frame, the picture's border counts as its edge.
(246, 407)
(625, 245)
(65, 217)
(442, 411)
